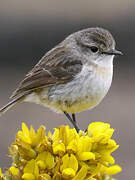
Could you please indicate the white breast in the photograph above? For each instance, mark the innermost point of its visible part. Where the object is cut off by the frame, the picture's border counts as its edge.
(84, 92)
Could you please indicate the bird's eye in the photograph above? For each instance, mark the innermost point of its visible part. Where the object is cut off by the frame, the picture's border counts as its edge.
(94, 49)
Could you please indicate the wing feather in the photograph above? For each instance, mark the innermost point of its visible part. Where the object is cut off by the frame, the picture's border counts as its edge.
(58, 66)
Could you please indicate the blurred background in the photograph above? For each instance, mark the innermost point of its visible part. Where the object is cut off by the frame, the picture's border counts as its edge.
(28, 29)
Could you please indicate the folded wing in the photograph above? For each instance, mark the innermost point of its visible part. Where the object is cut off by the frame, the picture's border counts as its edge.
(58, 66)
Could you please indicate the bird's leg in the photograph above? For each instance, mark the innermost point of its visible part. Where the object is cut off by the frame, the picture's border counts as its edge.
(72, 121)
(73, 117)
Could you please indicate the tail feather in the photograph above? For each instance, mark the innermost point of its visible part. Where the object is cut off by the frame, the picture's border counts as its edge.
(10, 105)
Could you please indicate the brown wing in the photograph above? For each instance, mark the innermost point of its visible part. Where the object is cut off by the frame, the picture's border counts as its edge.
(58, 66)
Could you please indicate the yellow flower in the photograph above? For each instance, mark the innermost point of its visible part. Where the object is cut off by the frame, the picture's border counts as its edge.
(1, 175)
(103, 145)
(81, 174)
(44, 177)
(100, 131)
(64, 154)
(69, 166)
(31, 137)
(14, 171)
(62, 139)
(72, 147)
(28, 176)
(29, 141)
(45, 160)
(31, 170)
(84, 148)
(111, 170)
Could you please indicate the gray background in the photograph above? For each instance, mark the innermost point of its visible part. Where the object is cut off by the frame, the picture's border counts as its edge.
(30, 28)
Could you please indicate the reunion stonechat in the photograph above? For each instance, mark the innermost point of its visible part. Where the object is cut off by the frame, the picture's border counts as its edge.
(72, 77)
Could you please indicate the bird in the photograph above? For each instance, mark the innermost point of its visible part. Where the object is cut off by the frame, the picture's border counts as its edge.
(72, 77)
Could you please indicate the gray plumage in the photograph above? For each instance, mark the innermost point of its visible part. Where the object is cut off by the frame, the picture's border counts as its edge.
(72, 64)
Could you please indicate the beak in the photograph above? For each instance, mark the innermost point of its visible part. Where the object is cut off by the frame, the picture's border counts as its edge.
(113, 52)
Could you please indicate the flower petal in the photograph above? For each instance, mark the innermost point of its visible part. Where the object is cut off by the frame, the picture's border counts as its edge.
(69, 161)
(1, 175)
(28, 176)
(68, 173)
(84, 156)
(14, 171)
(81, 174)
